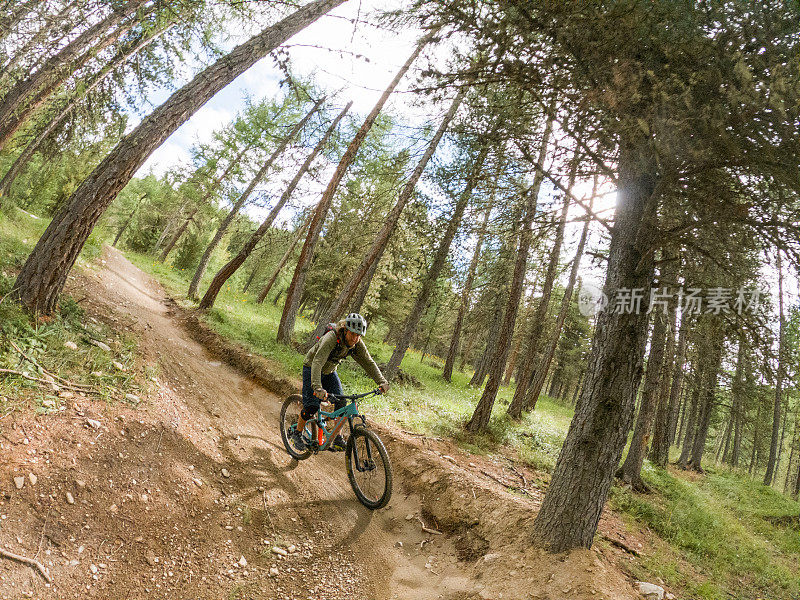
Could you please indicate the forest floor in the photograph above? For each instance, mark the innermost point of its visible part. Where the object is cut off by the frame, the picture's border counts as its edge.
(190, 494)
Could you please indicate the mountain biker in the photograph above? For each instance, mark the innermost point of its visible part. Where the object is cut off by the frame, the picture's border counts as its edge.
(320, 377)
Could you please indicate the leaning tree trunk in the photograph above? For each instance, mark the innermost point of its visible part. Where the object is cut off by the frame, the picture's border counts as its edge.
(676, 387)
(523, 379)
(42, 278)
(127, 221)
(274, 277)
(540, 373)
(27, 95)
(194, 286)
(237, 261)
(23, 159)
(737, 401)
(429, 282)
(295, 290)
(455, 340)
(373, 256)
(212, 188)
(174, 239)
(690, 419)
(709, 393)
(585, 467)
(631, 470)
(776, 412)
(787, 482)
(797, 482)
(483, 411)
(670, 395)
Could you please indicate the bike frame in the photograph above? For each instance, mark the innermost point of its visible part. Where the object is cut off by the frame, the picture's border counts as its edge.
(347, 414)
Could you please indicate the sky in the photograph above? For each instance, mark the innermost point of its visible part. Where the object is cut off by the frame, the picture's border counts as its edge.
(326, 52)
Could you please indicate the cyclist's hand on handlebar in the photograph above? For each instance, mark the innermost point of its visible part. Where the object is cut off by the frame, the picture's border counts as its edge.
(383, 388)
(321, 394)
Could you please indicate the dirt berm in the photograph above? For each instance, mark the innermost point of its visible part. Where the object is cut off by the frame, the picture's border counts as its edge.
(467, 498)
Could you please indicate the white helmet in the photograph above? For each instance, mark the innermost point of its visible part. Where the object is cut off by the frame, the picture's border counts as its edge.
(356, 323)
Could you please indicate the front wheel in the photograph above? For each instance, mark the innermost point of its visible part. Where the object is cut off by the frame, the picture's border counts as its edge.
(368, 468)
(290, 412)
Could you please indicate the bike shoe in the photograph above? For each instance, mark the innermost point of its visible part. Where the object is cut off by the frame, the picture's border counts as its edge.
(338, 444)
(297, 441)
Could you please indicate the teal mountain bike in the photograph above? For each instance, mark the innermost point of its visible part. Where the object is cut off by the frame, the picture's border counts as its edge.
(365, 455)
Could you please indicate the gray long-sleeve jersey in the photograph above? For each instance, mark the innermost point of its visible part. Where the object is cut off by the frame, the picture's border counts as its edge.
(324, 357)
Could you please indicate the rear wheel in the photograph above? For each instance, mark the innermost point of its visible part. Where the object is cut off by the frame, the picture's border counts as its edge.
(368, 468)
(290, 412)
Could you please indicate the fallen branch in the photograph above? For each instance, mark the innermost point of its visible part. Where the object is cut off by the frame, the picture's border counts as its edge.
(497, 479)
(72, 388)
(28, 561)
(521, 476)
(619, 544)
(33, 361)
(428, 529)
(412, 433)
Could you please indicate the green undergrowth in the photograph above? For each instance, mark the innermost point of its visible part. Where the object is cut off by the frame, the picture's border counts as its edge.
(47, 342)
(719, 525)
(714, 535)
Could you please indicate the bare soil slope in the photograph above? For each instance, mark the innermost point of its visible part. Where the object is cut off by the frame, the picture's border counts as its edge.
(187, 495)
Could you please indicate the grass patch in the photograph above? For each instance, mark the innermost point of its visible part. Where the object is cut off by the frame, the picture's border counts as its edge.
(49, 342)
(713, 523)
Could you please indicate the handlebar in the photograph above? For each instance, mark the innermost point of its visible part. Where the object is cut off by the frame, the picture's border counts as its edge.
(355, 396)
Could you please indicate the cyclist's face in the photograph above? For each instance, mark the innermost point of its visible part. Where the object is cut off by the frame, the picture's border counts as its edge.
(351, 338)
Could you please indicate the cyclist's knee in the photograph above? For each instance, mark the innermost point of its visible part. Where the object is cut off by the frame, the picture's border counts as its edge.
(307, 413)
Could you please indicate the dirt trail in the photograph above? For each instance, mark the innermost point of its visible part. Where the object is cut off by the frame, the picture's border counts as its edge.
(317, 490)
(177, 491)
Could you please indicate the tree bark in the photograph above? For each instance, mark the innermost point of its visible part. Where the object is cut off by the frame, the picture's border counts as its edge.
(127, 221)
(295, 290)
(676, 387)
(690, 424)
(429, 282)
(585, 467)
(483, 411)
(539, 318)
(659, 449)
(194, 286)
(483, 364)
(455, 339)
(229, 269)
(24, 157)
(737, 404)
(375, 253)
(797, 481)
(787, 483)
(27, 95)
(274, 277)
(178, 234)
(541, 370)
(780, 445)
(631, 470)
(43, 275)
(776, 411)
(709, 393)
(756, 440)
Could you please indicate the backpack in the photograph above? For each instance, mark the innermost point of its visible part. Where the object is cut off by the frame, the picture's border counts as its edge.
(334, 327)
